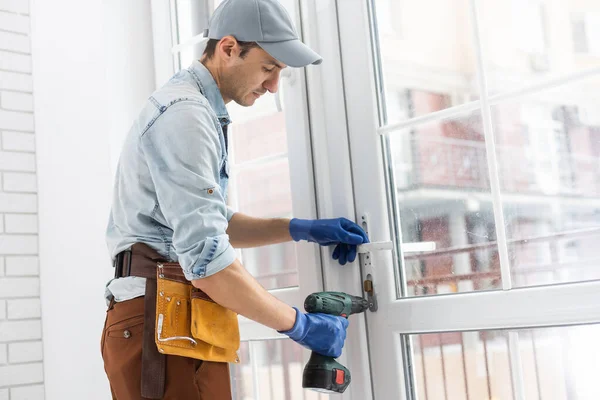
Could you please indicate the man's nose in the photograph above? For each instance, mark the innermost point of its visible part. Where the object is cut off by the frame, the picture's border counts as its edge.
(272, 85)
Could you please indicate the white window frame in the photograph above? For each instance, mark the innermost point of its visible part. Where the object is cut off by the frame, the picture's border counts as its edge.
(531, 307)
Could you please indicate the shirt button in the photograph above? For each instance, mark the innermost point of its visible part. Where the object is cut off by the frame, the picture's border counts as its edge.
(126, 334)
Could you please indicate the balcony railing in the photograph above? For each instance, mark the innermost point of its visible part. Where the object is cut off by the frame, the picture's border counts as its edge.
(430, 283)
(462, 164)
(450, 350)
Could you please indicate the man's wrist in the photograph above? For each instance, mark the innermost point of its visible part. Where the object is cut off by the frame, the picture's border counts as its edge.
(283, 225)
(291, 323)
(298, 228)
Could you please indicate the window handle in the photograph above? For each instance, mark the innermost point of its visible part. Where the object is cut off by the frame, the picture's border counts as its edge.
(289, 76)
(278, 101)
(374, 246)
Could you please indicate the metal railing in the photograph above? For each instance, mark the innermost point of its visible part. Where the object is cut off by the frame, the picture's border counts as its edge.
(430, 284)
(457, 163)
(553, 266)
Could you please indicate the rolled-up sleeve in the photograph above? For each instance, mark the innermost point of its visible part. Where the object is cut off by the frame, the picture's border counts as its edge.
(230, 213)
(183, 153)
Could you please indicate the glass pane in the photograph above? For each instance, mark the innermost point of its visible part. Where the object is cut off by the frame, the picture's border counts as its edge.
(548, 150)
(561, 363)
(264, 189)
(191, 20)
(557, 363)
(427, 57)
(444, 204)
(270, 370)
(260, 185)
(187, 25)
(462, 365)
(252, 135)
(273, 266)
(527, 40)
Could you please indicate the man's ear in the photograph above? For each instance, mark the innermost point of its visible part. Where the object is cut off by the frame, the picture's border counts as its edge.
(228, 47)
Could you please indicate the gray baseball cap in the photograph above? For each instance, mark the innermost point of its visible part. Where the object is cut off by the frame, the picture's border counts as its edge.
(265, 22)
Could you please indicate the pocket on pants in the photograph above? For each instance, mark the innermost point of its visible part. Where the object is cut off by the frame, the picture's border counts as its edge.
(122, 348)
(126, 329)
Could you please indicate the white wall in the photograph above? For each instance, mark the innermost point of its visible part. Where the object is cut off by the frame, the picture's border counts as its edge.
(92, 69)
(21, 369)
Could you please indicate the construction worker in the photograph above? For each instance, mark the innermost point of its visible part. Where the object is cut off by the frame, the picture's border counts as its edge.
(170, 205)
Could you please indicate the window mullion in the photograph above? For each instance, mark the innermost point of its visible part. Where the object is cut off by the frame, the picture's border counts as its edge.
(516, 366)
(175, 33)
(490, 144)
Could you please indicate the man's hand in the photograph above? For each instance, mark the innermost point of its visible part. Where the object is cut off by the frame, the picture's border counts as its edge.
(322, 333)
(339, 231)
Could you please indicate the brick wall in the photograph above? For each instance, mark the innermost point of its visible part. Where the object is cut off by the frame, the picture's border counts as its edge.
(21, 368)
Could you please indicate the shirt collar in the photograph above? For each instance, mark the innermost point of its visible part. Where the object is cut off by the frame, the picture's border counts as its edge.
(210, 90)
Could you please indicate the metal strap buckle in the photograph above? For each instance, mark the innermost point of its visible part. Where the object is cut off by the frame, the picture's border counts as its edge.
(118, 264)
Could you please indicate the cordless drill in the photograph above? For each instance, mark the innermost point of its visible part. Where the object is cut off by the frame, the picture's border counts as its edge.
(323, 373)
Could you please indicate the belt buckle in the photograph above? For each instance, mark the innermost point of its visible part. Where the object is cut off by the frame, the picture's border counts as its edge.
(127, 272)
(118, 264)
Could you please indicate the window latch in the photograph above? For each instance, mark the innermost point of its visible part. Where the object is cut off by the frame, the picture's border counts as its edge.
(366, 263)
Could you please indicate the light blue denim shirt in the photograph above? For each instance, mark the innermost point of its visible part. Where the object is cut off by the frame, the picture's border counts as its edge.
(171, 181)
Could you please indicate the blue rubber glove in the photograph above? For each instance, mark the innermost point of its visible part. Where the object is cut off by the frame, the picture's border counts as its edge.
(339, 231)
(322, 333)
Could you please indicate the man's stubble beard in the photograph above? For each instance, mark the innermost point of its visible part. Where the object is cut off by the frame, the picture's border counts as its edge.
(233, 91)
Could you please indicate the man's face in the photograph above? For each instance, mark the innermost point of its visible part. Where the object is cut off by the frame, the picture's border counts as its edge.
(244, 80)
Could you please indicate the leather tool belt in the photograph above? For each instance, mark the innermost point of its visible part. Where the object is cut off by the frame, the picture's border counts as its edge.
(179, 319)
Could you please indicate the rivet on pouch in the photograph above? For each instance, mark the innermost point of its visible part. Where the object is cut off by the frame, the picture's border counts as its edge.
(126, 334)
(168, 298)
(161, 350)
(178, 302)
(161, 293)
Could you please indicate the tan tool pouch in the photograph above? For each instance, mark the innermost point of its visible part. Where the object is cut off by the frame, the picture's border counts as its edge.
(191, 324)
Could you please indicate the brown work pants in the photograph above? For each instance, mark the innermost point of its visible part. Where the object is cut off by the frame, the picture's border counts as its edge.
(186, 378)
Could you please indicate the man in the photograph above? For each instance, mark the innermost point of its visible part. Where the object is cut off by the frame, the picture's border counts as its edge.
(170, 204)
